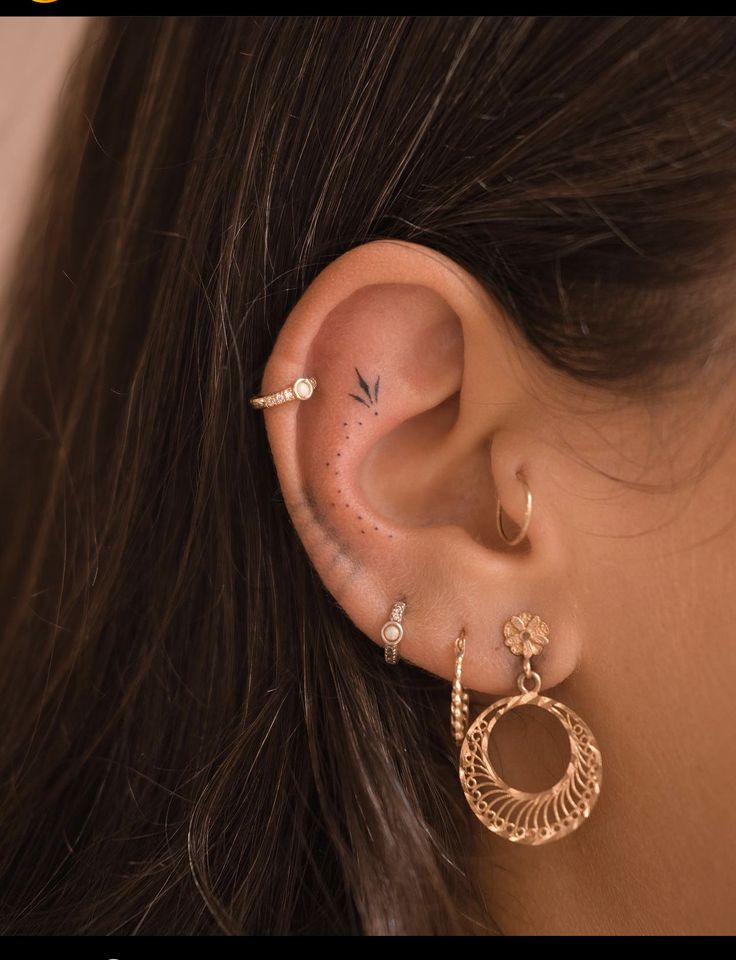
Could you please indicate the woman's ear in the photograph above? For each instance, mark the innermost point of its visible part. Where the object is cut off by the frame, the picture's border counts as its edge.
(425, 411)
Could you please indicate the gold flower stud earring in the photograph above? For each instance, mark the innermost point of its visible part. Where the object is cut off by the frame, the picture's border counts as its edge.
(525, 635)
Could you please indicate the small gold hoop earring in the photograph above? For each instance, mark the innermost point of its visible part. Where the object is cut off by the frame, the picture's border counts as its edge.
(517, 815)
(524, 529)
(392, 632)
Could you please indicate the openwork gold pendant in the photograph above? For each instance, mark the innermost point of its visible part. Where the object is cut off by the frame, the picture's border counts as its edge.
(516, 815)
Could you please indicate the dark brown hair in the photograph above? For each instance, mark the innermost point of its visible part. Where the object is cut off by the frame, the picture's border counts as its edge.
(195, 739)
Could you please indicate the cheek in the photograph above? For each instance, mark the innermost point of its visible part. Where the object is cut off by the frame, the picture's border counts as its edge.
(659, 654)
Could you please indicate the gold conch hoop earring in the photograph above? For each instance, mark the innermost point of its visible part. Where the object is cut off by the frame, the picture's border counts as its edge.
(517, 815)
(524, 529)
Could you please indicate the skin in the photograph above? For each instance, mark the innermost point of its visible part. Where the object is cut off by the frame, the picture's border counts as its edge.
(35, 55)
(629, 558)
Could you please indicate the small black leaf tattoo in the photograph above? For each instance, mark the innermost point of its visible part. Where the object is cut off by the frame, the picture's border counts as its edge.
(369, 396)
(364, 386)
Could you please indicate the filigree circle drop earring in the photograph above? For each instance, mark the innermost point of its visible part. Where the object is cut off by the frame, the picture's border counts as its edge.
(517, 815)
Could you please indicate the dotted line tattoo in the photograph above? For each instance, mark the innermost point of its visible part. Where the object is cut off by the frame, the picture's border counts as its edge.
(367, 396)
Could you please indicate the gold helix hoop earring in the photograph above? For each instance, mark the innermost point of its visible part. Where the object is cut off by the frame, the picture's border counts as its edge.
(517, 815)
(301, 389)
(524, 529)
(392, 632)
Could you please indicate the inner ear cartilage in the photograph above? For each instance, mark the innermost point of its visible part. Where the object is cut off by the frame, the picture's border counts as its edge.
(392, 632)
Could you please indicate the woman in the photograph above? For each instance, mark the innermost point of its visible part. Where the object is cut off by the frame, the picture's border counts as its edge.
(497, 252)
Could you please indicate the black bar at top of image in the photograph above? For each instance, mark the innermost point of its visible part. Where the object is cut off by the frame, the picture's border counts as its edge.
(90, 8)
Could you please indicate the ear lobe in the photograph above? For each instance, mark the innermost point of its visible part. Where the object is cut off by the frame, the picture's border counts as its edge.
(387, 470)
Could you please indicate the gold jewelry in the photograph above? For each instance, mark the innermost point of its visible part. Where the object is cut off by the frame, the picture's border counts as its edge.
(523, 530)
(392, 631)
(460, 699)
(516, 815)
(301, 389)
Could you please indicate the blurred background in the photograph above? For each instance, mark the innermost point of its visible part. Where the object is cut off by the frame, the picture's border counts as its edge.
(35, 56)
